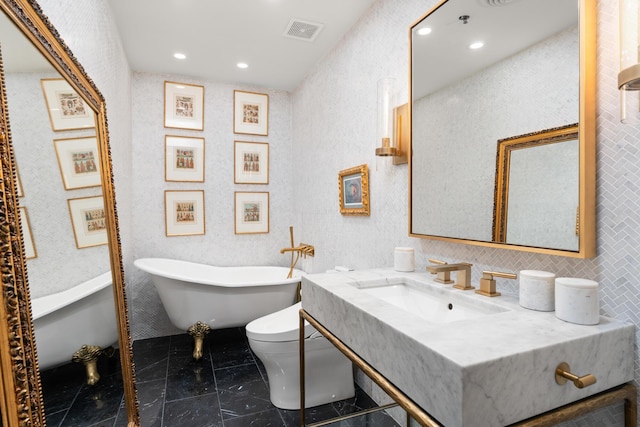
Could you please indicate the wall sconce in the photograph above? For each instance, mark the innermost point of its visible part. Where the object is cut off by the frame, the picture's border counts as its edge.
(391, 131)
(629, 75)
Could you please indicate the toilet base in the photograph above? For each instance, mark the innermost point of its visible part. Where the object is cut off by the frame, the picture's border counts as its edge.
(328, 373)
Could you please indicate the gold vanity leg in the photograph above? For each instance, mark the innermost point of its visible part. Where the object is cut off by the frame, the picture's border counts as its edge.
(631, 406)
(302, 371)
(88, 354)
(198, 332)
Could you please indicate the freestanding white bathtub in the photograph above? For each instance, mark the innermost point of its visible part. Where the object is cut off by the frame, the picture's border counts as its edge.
(65, 321)
(220, 297)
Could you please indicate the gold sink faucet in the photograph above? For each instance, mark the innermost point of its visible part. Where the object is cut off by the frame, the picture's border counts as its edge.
(443, 270)
(488, 283)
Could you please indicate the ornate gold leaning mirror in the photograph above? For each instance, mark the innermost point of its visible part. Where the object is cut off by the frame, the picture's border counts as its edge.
(535, 71)
(536, 202)
(57, 220)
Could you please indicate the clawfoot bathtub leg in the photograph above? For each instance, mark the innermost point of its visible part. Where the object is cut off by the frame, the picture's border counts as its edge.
(88, 354)
(198, 332)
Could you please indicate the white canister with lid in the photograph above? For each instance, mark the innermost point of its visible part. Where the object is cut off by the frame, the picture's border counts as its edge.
(537, 290)
(403, 259)
(577, 301)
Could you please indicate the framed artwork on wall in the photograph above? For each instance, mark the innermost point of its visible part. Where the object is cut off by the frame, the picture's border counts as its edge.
(250, 113)
(29, 246)
(19, 183)
(184, 159)
(183, 106)
(79, 162)
(353, 184)
(88, 221)
(251, 212)
(184, 212)
(67, 110)
(251, 162)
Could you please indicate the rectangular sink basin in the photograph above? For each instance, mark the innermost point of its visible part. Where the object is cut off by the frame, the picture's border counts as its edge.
(428, 304)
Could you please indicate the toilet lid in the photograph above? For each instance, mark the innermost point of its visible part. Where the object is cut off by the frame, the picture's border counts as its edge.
(280, 326)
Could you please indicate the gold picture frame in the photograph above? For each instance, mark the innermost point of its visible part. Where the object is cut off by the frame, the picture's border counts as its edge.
(29, 246)
(184, 159)
(184, 212)
(250, 113)
(251, 162)
(506, 147)
(183, 106)
(353, 184)
(79, 162)
(67, 109)
(251, 212)
(88, 219)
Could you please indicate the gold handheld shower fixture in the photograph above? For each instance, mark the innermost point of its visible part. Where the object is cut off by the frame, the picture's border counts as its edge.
(302, 249)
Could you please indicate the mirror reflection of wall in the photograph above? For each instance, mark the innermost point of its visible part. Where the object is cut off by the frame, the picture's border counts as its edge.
(58, 261)
(533, 88)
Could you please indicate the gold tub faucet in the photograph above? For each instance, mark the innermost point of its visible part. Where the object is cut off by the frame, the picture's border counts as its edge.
(443, 270)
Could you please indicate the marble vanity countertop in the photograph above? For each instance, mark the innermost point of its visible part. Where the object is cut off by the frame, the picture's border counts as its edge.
(493, 370)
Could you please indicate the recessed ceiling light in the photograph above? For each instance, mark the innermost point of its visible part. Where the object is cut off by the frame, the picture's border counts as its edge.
(179, 55)
(242, 65)
(476, 45)
(424, 31)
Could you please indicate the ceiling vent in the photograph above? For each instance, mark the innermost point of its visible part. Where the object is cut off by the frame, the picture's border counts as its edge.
(302, 30)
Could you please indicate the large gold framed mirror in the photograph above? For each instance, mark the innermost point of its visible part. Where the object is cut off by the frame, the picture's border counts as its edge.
(44, 251)
(531, 68)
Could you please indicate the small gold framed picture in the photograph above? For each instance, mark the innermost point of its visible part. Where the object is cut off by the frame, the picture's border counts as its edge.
(183, 106)
(79, 162)
(353, 184)
(250, 113)
(89, 221)
(27, 236)
(184, 212)
(251, 212)
(184, 159)
(251, 162)
(67, 110)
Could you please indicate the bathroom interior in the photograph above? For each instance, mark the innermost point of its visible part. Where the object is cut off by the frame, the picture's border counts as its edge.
(325, 124)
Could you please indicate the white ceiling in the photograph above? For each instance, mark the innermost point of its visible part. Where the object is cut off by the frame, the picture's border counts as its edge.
(215, 35)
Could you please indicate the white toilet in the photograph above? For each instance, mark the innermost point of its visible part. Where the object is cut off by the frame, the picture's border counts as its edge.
(274, 339)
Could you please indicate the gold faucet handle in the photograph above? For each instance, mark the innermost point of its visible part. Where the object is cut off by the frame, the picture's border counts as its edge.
(443, 276)
(488, 283)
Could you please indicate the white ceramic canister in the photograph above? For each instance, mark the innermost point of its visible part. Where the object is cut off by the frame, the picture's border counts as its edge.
(404, 259)
(537, 290)
(577, 301)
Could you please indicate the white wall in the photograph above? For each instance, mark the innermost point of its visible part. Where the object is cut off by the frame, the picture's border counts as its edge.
(220, 245)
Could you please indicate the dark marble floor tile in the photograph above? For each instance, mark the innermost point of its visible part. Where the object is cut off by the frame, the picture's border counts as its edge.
(55, 418)
(151, 357)
(151, 399)
(61, 385)
(122, 418)
(187, 377)
(201, 411)
(227, 335)
(95, 404)
(270, 418)
(311, 415)
(360, 401)
(374, 419)
(242, 391)
(181, 345)
(227, 354)
(106, 423)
